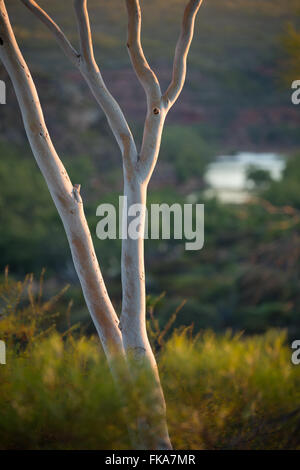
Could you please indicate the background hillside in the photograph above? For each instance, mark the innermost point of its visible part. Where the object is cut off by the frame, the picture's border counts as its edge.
(234, 93)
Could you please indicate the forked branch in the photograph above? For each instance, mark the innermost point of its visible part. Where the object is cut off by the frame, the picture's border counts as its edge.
(158, 105)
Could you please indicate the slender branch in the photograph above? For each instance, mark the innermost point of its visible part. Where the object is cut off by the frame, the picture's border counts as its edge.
(142, 69)
(65, 44)
(93, 77)
(181, 52)
(86, 63)
(85, 34)
(155, 112)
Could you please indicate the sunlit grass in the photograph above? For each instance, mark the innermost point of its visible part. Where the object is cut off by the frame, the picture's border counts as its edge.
(56, 391)
(233, 392)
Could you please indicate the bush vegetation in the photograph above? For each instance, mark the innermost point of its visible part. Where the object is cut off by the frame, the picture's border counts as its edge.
(56, 392)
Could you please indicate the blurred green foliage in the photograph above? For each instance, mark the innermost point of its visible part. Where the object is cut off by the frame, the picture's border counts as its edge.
(286, 191)
(246, 277)
(31, 231)
(186, 150)
(259, 177)
(223, 392)
(28, 219)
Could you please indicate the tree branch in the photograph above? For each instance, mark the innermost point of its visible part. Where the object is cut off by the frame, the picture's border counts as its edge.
(181, 52)
(155, 110)
(63, 41)
(93, 77)
(87, 65)
(158, 105)
(142, 69)
(85, 34)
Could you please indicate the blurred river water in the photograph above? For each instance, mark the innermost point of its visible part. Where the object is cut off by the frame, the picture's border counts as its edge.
(227, 175)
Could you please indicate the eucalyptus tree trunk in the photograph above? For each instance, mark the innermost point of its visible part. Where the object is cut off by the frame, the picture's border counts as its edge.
(125, 341)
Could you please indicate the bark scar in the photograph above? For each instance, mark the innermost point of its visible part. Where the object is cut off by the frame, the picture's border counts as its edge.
(76, 193)
(137, 353)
